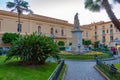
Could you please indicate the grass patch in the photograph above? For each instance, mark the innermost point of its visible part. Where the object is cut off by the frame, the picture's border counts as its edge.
(77, 56)
(110, 76)
(62, 72)
(10, 71)
(117, 66)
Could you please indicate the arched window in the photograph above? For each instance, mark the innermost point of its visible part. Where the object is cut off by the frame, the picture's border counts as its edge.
(39, 29)
(52, 31)
(62, 32)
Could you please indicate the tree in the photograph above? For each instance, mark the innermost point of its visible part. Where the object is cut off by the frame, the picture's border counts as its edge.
(86, 42)
(96, 44)
(97, 5)
(20, 6)
(9, 37)
(61, 43)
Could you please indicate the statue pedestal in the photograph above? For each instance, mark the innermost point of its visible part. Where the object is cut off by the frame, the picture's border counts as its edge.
(77, 41)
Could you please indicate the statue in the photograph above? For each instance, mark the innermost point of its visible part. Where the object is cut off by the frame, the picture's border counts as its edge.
(76, 22)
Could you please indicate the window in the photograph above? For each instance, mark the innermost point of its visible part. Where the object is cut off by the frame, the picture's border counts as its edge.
(111, 31)
(19, 28)
(111, 26)
(86, 34)
(56, 31)
(95, 27)
(103, 39)
(39, 29)
(107, 31)
(103, 32)
(52, 31)
(111, 38)
(95, 33)
(62, 32)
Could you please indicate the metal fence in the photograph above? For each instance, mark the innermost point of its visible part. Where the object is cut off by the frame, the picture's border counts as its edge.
(56, 73)
(110, 68)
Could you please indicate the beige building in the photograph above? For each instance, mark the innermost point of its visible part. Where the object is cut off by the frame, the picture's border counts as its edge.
(36, 23)
(105, 32)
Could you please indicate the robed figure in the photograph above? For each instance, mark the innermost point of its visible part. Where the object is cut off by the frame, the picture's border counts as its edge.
(76, 22)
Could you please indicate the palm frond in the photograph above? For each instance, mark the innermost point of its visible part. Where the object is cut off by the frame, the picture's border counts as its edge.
(10, 4)
(13, 10)
(93, 5)
(24, 4)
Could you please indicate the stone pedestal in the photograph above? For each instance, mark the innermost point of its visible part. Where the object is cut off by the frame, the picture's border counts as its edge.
(77, 41)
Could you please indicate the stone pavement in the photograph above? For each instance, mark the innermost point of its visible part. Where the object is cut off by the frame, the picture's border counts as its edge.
(82, 70)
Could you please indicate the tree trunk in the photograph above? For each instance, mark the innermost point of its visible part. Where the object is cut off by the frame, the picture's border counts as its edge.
(110, 13)
(19, 25)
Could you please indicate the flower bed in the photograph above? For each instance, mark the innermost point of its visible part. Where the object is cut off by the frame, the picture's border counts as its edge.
(94, 52)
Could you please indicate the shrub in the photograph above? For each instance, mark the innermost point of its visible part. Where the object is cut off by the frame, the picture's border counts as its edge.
(61, 43)
(70, 43)
(33, 49)
(0, 51)
(9, 37)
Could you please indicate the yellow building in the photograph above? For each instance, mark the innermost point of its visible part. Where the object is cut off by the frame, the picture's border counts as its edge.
(105, 32)
(35, 23)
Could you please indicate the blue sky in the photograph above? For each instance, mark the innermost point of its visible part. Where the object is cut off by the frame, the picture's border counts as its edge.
(66, 9)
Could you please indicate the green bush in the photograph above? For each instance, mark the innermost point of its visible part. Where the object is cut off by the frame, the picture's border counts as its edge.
(9, 37)
(1, 52)
(70, 43)
(61, 43)
(33, 49)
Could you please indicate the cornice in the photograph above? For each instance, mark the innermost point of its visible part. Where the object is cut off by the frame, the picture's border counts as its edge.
(36, 18)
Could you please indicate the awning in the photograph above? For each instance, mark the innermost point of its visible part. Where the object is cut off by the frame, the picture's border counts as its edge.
(118, 45)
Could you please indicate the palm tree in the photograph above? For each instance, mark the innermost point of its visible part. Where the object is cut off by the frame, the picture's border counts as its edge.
(97, 5)
(19, 6)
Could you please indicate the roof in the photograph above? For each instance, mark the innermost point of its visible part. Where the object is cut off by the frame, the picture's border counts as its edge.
(36, 17)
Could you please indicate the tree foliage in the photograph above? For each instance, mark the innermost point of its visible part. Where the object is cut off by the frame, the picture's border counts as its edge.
(33, 49)
(61, 43)
(97, 5)
(96, 44)
(86, 42)
(9, 37)
(19, 6)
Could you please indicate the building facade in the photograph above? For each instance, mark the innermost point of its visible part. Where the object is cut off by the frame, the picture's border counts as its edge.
(105, 32)
(35, 23)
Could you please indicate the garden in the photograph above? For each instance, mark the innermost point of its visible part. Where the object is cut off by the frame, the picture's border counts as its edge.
(85, 56)
(26, 57)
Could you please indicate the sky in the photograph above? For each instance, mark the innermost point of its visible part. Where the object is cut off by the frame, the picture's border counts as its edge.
(66, 9)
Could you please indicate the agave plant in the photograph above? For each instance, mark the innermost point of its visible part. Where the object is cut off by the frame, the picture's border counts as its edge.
(33, 49)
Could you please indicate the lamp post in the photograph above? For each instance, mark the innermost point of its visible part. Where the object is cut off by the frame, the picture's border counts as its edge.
(79, 47)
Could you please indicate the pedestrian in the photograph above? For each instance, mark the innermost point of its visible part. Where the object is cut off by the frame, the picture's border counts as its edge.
(113, 50)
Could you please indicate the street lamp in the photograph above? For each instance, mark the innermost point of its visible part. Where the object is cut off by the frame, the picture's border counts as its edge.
(79, 47)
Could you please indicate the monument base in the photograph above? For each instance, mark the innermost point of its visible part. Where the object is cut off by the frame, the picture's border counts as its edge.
(77, 49)
(77, 46)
